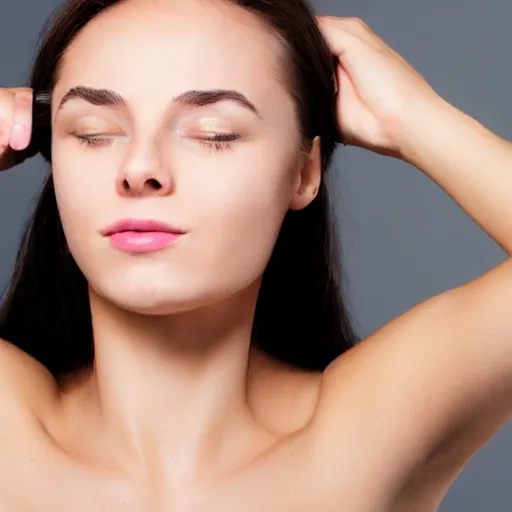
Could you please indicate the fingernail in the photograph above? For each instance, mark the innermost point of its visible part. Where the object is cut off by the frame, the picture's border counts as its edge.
(20, 136)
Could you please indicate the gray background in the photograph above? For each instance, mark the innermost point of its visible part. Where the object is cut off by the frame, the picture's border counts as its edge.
(404, 239)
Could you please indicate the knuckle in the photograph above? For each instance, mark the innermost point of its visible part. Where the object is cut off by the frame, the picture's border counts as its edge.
(23, 104)
(21, 90)
(359, 22)
(23, 101)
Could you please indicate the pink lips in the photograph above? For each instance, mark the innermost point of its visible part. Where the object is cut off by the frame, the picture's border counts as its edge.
(133, 235)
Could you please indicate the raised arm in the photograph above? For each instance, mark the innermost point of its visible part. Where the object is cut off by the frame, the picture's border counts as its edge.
(434, 384)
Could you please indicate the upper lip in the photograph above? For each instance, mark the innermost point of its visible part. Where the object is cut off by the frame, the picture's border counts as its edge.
(139, 225)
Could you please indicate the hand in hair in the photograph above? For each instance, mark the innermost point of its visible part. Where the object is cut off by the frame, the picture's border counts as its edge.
(379, 93)
(15, 125)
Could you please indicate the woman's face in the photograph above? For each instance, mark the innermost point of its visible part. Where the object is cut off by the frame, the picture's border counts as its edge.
(151, 157)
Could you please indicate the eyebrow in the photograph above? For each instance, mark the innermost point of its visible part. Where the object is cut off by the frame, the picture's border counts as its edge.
(193, 98)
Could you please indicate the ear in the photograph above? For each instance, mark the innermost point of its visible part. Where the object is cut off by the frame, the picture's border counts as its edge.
(308, 179)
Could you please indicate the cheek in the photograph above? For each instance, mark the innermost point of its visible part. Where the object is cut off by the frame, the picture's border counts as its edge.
(78, 194)
(249, 187)
(240, 219)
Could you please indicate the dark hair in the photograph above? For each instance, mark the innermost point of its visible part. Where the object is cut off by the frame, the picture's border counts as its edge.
(300, 318)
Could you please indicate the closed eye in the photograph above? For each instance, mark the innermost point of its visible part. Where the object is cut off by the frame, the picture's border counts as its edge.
(217, 142)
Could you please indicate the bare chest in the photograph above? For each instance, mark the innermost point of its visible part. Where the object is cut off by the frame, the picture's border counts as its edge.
(49, 484)
(262, 496)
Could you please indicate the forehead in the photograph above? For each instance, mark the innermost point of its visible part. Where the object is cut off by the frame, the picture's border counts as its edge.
(167, 46)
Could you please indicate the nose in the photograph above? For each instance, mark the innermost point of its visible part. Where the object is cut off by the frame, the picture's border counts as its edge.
(144, 174)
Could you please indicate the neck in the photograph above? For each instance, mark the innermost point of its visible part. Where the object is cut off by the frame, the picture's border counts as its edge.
(172, 391)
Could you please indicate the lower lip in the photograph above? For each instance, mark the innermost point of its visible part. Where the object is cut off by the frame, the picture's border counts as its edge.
(143, 241)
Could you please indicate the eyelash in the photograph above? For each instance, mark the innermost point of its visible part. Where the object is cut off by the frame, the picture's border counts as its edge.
(219, 142)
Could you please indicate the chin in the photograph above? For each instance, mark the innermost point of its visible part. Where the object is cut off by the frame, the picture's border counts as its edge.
(157, 297)
(153, 301)
(152, 306)
(146, 291)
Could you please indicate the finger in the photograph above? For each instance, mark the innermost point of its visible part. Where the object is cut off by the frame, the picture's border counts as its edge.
(21, 131)
(358, 27)
(355, 26)
(6, 115)
(341, 40)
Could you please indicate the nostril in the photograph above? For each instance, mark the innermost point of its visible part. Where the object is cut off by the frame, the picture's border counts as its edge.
(155, 184)
(152, 183)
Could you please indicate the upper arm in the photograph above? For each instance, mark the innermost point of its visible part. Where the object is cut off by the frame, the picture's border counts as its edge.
(426, 391)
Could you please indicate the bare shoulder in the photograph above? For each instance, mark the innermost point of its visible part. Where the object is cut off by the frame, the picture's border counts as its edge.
(420, 396)
(26, 386)
(26, 394)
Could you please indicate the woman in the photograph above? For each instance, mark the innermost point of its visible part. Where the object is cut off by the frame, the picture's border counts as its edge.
(197, 356)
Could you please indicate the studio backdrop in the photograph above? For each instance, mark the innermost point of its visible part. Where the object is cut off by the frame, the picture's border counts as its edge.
(403, 238)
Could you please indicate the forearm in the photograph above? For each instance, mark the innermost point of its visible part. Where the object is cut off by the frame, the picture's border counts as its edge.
(472, 165)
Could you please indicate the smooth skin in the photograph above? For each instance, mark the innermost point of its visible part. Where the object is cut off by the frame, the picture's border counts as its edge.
(387, 427)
